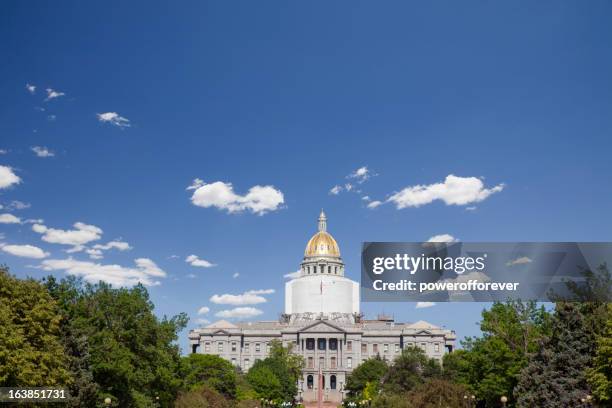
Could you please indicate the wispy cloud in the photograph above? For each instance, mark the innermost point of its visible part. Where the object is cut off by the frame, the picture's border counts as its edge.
(520, 261)
(293, 275)
(424, 305)
(53, 94)
(251, 297)
(31, 88)
(446, 238)
(42, 151)
(114, 119)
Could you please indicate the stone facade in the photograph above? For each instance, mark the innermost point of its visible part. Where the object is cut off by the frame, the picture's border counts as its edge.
(329, 334)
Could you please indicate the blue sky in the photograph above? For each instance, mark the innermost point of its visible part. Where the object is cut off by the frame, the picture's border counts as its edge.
(295, 96)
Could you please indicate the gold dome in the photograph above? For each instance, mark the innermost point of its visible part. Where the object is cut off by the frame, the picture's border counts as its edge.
(322, 243)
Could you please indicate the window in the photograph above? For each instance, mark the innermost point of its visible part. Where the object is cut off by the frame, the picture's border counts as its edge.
(309, 382)
(310, 362)
(246, 347)
(424, 346)
(437, 347)
(246, 364)
(397, 348)
(410, 344)
(349, 346)
(233, 361)
(374, 348)
(268, 347)
(321, 362)
(386, 348)
(332, 362)
(207, 347)
(332, 382)
(233, 346)
(364, 347)
(333, 344)
(310, 344)
(349, 362)
(220, 347)
(257, 347)
(321, 345)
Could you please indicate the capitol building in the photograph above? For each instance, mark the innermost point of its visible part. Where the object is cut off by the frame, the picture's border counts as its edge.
(322, 320)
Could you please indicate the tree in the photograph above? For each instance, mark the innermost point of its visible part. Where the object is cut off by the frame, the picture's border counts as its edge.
(210, 370)
(600, 375)
(31, 351)
(132, 355)
(264, 382)
(436, 393)
(408, 370)
(201, 397)
(555, 376)
(371, 370)
(490, 366)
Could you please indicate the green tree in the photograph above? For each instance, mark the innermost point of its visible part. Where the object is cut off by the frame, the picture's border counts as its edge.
(210, 370)
(264, 381)
(132, 355)
(436, 393)
(31, 350)
(408, 370)
(370, 371)
(600, 375)
(555, 376)
(202, 396)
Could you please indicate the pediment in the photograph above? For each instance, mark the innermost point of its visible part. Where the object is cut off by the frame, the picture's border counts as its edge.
(422, 332)
(321, 327)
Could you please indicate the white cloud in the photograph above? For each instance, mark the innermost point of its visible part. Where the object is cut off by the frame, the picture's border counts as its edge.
(366, 198)
(251, 297)
(258, 200)
(9, 219)
(119, 245)
(7, 177)
(42, 151)
(114, 119)
(203, 310)
(424, 305)
(519, 261)
(472, 208)
(239, 313)
(80, 235)
(235, 275)
(25, 251)
(52, 94)
(94, 253)
(17, 205)
(361, 174)
(145, 271)
(335, 190)
(194, 260)
(453, 191)
(442, 238)
(293, 275)
(374, 204)
(31, 88)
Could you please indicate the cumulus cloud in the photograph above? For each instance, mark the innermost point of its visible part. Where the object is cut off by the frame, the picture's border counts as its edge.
(77, 237)
(7, 177)
(453, 191)
(293, 275)
(258, 200)
(42, 151)
(52, 94)
(251, 297)
(145, 271)
(424, 305)
(114, 119)
(9, 219)
(443, 238)
(239, 313)
(25, 251)
(203, 310)
(519, 261)
(31, 88)
(194, 260)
